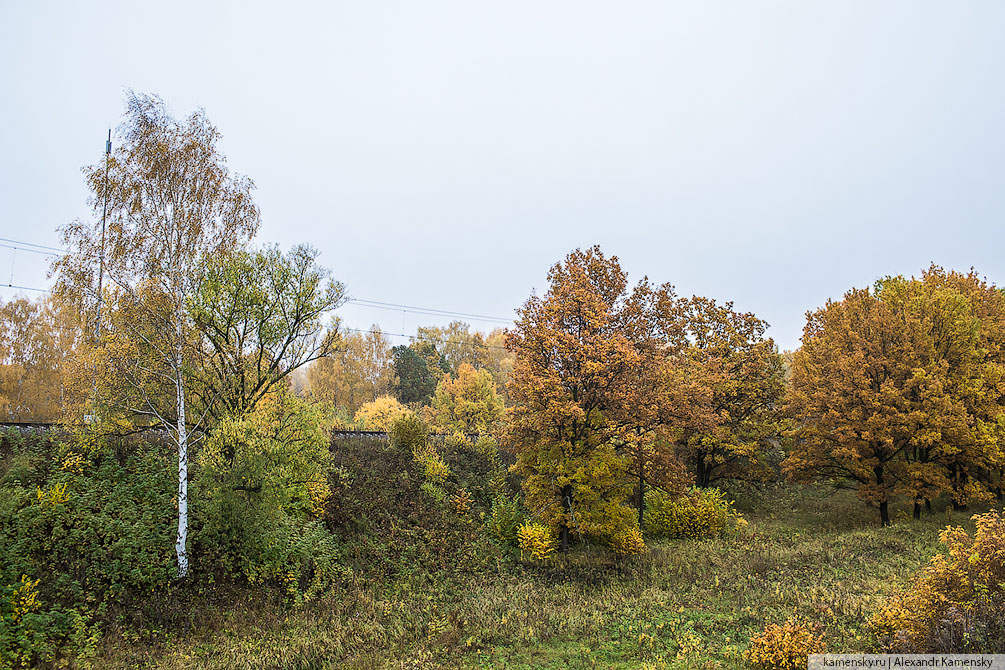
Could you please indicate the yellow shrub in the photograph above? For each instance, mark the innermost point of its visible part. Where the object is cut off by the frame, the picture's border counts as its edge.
(461, 500)
(536, 539)
(956, 602)
(434, 469)
(73, 462)
(318, 493)
(55, 495)
(381, 413)
(23, 599)
(784, 647)
(628, 542)
(697, 513)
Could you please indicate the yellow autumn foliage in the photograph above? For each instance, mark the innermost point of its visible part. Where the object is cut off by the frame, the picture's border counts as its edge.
(697, 513)
(784, 647)
(23, 599)
(536, 539)
(53, 495)
(461, 500)
(957, 589)
(628, 542)
(434, 468)
(381, 413)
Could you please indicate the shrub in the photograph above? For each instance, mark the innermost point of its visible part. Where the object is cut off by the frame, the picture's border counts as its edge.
(505, 519)
(696, 513)
(488, 448)
(31, 637)
(409, 433)
(457, 441)
(628, 542)
(957, 603)
(461, 501)
(80, 537)
(536, 539)
(433, 491)
(784, 647)
(434, 469)
(381, 413)
(262, 480)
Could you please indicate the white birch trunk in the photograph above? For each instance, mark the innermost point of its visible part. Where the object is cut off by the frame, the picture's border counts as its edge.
(182, 541)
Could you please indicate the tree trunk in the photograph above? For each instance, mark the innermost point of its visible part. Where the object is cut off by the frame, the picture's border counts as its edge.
(563, 534)
(182, 539)
(884, 506)
(959, 481)
(642, 496)
(917, 509)
(701, 475)
(928, 505)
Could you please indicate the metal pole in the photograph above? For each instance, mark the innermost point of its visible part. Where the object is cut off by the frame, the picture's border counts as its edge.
(104, 215)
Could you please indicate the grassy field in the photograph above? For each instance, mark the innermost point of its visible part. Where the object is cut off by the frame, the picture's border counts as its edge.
(808, 553)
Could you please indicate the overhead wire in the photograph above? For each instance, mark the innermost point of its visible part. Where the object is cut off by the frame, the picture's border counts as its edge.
(34, 251)
(361, 302)
(32, 244)
(416, 338)
(427, 311)
(26, 288)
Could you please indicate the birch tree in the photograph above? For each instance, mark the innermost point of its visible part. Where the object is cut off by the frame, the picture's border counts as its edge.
(172, 203)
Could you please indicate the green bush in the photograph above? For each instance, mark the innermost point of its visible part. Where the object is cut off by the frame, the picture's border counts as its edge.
(505, 519)
(409, 433)
(261, 485)
(696, 513)
(488, 448)
(433, 491)
(81, 537)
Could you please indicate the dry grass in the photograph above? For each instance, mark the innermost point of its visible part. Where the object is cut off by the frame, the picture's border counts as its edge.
(807, 553)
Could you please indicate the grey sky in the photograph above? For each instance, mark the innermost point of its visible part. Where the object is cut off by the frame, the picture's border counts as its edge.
(445, 154)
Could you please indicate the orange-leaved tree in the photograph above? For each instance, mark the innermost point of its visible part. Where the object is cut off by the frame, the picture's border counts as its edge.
(900, 390)
(744, 375)
(851, 393)
(578, 394)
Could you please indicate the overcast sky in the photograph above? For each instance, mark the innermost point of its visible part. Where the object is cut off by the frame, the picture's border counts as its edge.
(445, 154)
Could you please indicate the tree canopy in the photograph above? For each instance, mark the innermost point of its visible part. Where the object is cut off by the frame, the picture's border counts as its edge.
(900, 389)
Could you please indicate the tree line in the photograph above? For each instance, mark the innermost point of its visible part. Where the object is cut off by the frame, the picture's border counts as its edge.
(603, 390)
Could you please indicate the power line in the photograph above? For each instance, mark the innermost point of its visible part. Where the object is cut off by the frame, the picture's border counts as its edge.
(26, 288)
(416, 338)
(34, 251)
(361, 302)
(46, 290)
(32, 244)
(427, 311)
